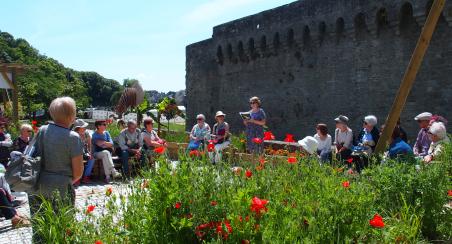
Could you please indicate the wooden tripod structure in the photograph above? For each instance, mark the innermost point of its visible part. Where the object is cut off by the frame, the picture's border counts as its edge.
(410, 73)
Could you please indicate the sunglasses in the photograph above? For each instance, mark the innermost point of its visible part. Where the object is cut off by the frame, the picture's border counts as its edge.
(200, 119)
(253, 102)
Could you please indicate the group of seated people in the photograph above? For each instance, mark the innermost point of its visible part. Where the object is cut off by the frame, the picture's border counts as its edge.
(132, 142)
(429, 143)
(346, 146)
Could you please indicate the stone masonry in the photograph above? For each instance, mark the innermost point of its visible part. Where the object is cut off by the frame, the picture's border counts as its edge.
(311, 60)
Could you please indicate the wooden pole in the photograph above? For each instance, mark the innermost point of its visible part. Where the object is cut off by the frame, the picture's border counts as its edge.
(15, 98)
(410, 73)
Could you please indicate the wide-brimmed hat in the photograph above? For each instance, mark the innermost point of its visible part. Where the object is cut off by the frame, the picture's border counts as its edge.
(220, 113)
(310, 144)
(80, 123)
(342, 119)
(423, 116)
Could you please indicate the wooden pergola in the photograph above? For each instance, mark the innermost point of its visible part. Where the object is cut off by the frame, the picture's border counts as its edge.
(9, 72)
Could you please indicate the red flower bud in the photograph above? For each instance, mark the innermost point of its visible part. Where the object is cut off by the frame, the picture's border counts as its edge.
(248, 173)
(177, 205)
(346, 184)
(377, 221)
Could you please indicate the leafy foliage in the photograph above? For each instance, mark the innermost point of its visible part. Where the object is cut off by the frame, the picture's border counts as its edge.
(47, 79)
(302, 202)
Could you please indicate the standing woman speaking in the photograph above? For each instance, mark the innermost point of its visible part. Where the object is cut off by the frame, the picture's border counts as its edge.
(61, 150)
(255, 126)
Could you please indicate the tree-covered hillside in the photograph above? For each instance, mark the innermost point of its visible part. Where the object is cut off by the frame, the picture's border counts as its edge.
(46, 78)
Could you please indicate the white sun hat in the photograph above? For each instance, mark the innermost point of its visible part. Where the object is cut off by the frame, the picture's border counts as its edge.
(310, 144)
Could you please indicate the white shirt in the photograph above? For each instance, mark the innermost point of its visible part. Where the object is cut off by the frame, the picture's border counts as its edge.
(324, 145)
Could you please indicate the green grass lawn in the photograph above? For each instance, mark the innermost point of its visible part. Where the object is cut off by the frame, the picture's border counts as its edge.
(172, 127)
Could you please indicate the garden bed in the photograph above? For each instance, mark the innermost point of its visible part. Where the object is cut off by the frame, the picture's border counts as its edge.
(272, 201)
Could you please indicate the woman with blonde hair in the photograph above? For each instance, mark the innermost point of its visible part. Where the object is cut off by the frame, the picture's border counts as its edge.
(61, 150)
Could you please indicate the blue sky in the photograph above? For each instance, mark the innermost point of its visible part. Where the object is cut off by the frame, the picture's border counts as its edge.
(124, 39)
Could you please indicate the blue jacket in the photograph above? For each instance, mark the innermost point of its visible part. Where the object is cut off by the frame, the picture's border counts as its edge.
(399, 148)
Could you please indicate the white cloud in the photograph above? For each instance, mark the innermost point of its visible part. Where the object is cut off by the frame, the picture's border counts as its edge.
(214, 9)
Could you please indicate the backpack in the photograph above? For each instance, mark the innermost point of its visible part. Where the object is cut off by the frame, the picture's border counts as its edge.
(23, 173)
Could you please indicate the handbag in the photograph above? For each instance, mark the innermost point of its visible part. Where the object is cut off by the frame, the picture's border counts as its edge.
(23, 173)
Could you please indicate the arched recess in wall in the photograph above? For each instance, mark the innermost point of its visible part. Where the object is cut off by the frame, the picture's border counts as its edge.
(220, 56)
(230, 53)
(241, 52)
(276, 41)
(360, 25)
(263, 44)
(306, 37)
(322, 32)
(290, 37)
(340, 28)
(428, 6)
(407, 22)
(252, 48)
(382, 20)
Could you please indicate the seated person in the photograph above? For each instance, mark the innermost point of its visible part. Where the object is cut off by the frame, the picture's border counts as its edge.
(102, 149)
(438, 135)
(199, 133)
(131, 143)
(21, 142)
(398, 147)
(5, 144)
(343, 138)
(7, 209)
(24, 138)
(150, 138)
(309, 145)
(220, 137)
(367, 141)
(80, 127)
(368, 137)
(324, 141)
(423, 142)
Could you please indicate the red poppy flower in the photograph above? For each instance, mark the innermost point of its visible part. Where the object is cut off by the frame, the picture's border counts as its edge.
(177, 205)
(211, 147)
(262, 160)
(449, 193)
(228, 226)
(108, 191)
(289, 138)
(34, 122)
(350, 160)
(257, 140)
(377, 221)
(292, 160)
(350, 171)
(346, 184)
(213, 203)
(194, 153)
(268, 136)
(160, 150)
(258, 205)
(98, 242)
(90, 208)
(248, 173)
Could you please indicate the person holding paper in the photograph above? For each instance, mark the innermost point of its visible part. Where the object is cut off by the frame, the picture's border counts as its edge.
(255, 126)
